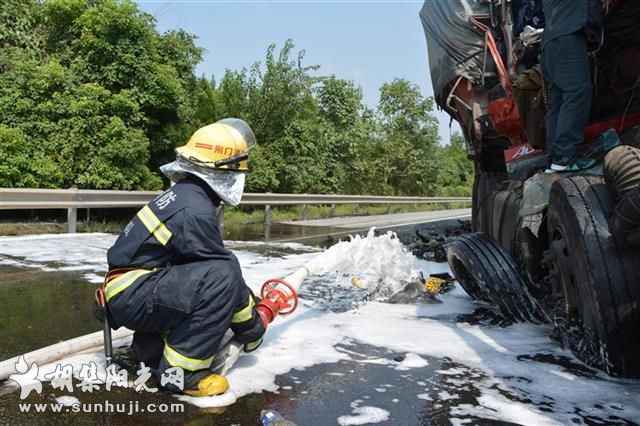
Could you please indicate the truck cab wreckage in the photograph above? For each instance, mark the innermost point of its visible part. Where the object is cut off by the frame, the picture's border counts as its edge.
(561, 248)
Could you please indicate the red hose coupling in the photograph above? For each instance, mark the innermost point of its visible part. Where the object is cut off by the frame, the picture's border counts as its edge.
(278, 298)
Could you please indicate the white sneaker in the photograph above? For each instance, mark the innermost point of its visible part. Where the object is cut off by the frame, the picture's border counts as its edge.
(554, 168)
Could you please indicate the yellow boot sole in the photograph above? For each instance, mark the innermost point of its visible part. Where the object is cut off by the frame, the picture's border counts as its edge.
(211, 385)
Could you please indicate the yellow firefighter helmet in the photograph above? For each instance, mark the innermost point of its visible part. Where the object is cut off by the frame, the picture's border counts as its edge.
(223, 145)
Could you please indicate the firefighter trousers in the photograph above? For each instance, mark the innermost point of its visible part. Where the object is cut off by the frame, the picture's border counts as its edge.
(181, 313)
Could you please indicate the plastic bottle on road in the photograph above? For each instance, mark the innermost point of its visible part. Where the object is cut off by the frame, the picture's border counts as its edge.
(273, 418)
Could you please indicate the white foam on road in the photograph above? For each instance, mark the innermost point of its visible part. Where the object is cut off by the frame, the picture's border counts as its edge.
(412, 361)
(365, 415)
(65, 252)
(490, 356)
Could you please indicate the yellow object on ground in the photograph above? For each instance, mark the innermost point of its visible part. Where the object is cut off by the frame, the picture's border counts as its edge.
(212, 385)
(434, 285)
(223, 145)
(357, 282)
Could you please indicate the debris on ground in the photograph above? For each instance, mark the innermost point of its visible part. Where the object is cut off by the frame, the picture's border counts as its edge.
(273, 418)
(439, 283)
(486, 317)
(423, 290)
(429, 241)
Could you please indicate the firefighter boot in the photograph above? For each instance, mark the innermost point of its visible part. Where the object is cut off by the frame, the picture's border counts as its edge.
(209, 385)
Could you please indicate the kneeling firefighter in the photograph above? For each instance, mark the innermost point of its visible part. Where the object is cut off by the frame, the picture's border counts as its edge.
(170, 278)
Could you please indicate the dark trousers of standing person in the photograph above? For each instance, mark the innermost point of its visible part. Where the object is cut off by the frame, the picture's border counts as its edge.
(569, 90)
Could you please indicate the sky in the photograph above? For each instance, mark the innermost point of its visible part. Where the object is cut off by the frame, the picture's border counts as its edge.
(369, 42)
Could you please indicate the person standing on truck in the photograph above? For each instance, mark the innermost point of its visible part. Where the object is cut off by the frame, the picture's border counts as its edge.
(170, 278)
(571, 26)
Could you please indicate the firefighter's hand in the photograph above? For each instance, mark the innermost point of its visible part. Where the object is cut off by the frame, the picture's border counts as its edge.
(252, 346)
(250, 336)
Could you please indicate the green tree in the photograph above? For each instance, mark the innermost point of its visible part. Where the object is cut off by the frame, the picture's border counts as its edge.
(276, 97)
(77, 134)
(208, 105)
(234, 94)
(280, 92)
(113, 44)
(19, 21)
(107, 96)
(92, 95)
(411, 136)
(405, 112)
(455, 172)
(21, 168)
(341, 106)
(340, 102)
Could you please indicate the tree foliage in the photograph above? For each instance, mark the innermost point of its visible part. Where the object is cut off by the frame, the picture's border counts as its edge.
(103, 86)
(93, 96)
(455, 177)
(19, 25)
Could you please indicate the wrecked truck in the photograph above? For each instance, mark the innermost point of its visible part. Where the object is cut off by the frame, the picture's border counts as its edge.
(562, 249)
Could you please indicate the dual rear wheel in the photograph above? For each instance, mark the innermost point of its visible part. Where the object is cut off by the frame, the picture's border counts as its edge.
(594, 277)
(592, 281)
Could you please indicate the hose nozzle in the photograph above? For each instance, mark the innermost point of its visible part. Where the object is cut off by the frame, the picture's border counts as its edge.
(278, 298)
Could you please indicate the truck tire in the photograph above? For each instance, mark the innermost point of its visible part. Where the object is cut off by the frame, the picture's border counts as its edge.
(595, 280)
(506, 218)
(485, 184)
(488, 273)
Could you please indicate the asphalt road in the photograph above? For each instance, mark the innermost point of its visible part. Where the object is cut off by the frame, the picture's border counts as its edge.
(384, 220)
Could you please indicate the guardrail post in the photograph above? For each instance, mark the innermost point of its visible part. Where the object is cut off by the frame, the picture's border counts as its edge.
(267, 222)
(72, 213)
(72, 220)
(220, 219)
(332, 212)
(305, 212)
(267, 215)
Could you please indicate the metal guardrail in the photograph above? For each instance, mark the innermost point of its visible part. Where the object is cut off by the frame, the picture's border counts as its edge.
(73, 199)
(14, 199)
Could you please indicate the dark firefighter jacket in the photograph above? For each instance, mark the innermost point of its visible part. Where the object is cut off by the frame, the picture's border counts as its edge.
(182, 228)
(175, 256)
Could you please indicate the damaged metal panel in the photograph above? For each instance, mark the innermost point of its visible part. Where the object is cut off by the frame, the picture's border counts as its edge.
(455, 47)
